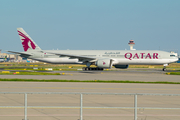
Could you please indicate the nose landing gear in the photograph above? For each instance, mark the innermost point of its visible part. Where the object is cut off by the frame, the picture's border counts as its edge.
(164, 69)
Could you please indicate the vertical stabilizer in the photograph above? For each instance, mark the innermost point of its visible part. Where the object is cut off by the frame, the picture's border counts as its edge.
(27, 42)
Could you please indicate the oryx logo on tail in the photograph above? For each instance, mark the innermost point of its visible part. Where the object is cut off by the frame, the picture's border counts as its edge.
(27, 43)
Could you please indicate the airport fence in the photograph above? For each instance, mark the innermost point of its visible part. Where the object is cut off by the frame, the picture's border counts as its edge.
(81, 107)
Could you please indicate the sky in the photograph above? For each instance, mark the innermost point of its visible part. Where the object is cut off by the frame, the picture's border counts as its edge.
(91, 24)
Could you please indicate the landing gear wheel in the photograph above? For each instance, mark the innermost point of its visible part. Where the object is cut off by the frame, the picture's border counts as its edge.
(164, 69)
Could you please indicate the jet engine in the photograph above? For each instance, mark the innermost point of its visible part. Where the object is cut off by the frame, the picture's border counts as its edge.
(104, 63)
(121, 66)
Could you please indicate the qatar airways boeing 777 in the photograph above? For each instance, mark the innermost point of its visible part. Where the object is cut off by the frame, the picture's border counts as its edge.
(101, 58)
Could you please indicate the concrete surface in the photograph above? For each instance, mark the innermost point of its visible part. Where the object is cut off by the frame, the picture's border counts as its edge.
(89, 100)
(129, 74)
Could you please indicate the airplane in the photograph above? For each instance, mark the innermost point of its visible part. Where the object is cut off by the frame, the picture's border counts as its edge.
(103, 59)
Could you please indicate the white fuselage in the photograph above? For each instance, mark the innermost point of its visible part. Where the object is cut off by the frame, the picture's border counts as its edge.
(119, 57)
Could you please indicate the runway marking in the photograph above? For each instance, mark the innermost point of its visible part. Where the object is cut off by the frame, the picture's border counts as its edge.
(88, 88)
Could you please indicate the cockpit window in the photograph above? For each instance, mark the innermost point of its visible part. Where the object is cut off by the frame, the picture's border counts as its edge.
(172, 55)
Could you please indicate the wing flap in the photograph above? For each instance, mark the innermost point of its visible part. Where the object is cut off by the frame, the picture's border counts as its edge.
(80, 57)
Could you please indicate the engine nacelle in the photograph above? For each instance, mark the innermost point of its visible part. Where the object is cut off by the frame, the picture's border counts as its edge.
(121, 66)
(104, 63)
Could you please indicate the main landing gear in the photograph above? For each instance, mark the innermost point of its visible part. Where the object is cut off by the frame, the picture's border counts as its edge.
(92, 69)
(88, 68)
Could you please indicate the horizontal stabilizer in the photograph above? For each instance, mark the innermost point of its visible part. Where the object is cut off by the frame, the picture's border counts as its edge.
(21, 53)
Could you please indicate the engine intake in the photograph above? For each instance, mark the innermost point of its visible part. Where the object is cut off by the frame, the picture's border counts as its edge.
(104, 63)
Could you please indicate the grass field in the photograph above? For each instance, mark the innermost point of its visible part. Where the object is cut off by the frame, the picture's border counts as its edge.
(42, 66)
(173, 73)
(31, 68)
(90, 81)
(27, 73)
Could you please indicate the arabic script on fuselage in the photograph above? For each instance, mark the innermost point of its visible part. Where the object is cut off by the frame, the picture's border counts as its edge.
(112, 53)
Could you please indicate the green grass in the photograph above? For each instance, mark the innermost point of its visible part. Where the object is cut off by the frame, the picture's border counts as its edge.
(29, 73)
(88, 81)
(65, 69)
(70, 67)
(173, 73)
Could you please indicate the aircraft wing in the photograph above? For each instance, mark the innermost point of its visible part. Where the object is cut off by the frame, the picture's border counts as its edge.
(21, 53)
(80, 57)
